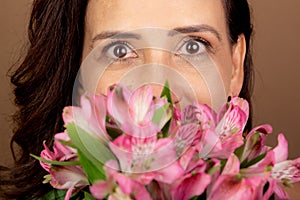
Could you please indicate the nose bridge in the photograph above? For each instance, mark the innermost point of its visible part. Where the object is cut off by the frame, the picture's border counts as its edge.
(157, 56)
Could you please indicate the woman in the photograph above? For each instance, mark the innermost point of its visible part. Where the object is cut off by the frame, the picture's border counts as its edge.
(61, 34)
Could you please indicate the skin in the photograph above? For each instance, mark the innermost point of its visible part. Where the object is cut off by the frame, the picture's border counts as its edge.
(123, 15)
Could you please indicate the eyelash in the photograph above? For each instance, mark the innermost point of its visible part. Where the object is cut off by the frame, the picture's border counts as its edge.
(206, 43)
(113, 43)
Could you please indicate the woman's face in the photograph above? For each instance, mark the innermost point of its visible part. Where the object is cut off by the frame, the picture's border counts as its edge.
(201, 24)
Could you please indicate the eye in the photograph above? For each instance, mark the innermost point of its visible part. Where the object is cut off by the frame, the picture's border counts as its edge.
(120, 50)
(192, 46)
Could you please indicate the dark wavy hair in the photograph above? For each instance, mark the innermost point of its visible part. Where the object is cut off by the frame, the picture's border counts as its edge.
(44, 80)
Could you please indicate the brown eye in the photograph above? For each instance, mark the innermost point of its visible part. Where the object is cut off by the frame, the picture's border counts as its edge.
(192, 47)
(120, 50)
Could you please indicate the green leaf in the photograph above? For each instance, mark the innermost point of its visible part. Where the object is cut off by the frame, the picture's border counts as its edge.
(244, 163)
(165, 129)
(54, 194)
(167, 93)
(88, 196)
(59, 163)
(254, 161)
(223, 163)
(93, 171)
(159, 113)
(213, 170)
(92, 151)
(239, 151)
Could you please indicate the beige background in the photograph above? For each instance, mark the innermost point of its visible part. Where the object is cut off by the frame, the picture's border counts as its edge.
(276, 58)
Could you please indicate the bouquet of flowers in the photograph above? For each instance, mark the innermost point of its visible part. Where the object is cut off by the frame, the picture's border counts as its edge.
(132, 145)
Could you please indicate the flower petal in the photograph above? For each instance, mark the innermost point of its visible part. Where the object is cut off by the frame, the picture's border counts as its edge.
(232, 165)
(190, 186)
(117, 103)
(140, 104)
(235, 118)
(223, 149)
(65, 177)
(185, 136)
(255, 142)
(281, 151)
(232, 187)
(101, 188)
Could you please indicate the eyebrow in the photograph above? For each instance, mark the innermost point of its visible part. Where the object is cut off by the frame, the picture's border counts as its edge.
(116, 35)
(184, 29)
(194, 29)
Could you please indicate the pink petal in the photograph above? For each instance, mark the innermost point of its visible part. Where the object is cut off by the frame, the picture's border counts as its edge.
(140, 192)
(144, 178)
(196, 164)
(241, 103)
(225, 149)
(100, 189)
(68, 115)
(63, 152)
(186, 158)
(270, 191)
(264, 129)
(86, 107)
(234, 120)
(48, 155)
(164, 156)
(209, 140)
(146, 130)
(189, 114)
(280, 193)
(288, 170)
(170, 173)
(121, 147)
(205, 115)
(65, 177)
(281, 151)
(97, 117)
(190, 186)
(185, 137)
(232, 187)
(140, 105)
(255, 142)
(261, 169)
(117, 103)
(70, 192)
(125, 183)
(232, 165)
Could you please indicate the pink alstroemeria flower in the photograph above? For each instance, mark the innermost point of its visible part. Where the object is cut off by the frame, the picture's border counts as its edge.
(118, 186)
(261, 169)
(147, 159)
(255, 142)
(71, 178)
(90, 116)
(232, 185)
(134, 112)
(60, 151)
(194, 181)
(221, 137)
(284, 171)
(185, 137)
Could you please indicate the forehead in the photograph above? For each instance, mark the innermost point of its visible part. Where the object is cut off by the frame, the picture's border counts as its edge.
(124, 15)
